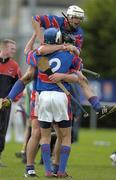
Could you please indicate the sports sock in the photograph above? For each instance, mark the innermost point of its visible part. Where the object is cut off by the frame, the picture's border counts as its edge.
(64, 155)
(45, 149)
(94, 101)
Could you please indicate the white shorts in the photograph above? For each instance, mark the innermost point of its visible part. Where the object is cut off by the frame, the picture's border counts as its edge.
(52, 106)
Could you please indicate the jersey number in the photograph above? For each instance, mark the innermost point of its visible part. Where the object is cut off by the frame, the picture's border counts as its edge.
(57, 63)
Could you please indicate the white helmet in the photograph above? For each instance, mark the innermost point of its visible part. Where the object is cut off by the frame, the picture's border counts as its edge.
(75, 11)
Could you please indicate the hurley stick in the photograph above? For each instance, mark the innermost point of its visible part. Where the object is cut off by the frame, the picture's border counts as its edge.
(97, 75)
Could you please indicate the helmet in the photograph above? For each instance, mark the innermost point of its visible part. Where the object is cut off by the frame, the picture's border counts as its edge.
(52, 36)
(75, 11)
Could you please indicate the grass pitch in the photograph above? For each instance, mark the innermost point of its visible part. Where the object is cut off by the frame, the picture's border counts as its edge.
(89, 159)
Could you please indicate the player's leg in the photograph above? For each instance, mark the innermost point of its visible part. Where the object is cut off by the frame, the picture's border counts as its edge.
(53, 141)
(27, 135)
(57, 147)
(11, 119)
(19, 123)
(32, 147)
(62, 115)
(33, 143)
(92, 98)
(65, 129)
(45, 146)
(45, 114)
(4, 120)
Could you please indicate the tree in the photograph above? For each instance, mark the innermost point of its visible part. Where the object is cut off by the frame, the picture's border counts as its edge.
(100, 37)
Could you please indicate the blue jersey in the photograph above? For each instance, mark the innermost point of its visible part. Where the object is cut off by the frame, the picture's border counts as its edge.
(61, 23)
(60, 62)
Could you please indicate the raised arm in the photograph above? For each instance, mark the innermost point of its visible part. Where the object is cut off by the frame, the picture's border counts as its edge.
(37, 28)
(30, 44)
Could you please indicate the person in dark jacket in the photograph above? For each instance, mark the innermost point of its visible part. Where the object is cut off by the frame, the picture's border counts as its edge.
(9, 73)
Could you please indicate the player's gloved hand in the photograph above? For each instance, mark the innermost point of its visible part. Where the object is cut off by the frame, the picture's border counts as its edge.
(6, 102)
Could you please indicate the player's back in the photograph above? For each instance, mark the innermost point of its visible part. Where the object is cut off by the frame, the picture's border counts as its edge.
(60, 62)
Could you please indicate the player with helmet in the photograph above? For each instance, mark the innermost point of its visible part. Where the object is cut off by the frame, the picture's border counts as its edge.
(69, 26)
(56, 109)
(75, 11)
(75, 15)
(44, 84)
(72, 33)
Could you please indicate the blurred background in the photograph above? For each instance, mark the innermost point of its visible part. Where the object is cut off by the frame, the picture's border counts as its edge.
(99, 48)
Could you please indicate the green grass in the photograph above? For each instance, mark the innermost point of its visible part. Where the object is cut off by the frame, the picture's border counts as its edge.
(88, 161)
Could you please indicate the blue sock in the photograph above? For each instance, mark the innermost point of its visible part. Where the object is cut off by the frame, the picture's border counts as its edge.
(94, 101)
(64, 155)
(16, 90)
(45, 148)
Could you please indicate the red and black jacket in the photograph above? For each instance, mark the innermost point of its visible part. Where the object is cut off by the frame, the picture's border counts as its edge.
(9, 73)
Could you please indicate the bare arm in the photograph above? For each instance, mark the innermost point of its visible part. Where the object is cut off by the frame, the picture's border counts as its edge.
(37, 28)
(47, 48)
(29, 45)
(29, 75)
(70, 78)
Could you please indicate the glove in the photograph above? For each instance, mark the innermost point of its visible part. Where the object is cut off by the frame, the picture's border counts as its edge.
(4, 103)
